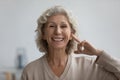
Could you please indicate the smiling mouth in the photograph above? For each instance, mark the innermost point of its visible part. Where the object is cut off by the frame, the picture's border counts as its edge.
(57, 39)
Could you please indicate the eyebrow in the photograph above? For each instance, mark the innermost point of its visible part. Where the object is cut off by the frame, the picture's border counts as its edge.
(51, 22)
(55, 23)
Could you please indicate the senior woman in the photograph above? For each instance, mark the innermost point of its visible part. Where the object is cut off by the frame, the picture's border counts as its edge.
(56, 38)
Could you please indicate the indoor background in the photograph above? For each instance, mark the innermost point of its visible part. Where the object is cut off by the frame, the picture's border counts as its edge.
(98, 22)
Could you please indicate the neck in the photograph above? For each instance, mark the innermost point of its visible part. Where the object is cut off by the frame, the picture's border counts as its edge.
(57, 57)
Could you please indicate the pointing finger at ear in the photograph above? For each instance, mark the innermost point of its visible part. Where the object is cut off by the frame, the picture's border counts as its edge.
(75, 38)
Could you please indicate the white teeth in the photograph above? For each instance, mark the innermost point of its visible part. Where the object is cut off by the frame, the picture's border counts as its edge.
(57, 39)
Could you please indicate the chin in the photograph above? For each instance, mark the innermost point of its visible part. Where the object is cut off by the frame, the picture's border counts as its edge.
(59, 46)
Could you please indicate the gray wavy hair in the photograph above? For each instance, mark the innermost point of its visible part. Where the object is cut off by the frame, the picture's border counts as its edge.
(41, 43)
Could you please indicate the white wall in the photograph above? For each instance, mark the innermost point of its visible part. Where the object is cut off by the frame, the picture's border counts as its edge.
(99, 23)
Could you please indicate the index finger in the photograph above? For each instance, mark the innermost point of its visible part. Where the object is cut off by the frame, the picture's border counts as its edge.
(75, 38)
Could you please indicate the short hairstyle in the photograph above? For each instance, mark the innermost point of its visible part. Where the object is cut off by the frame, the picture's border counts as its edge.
(41, 43)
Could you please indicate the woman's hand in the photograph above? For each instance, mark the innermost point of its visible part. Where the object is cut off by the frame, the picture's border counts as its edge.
(85, 47)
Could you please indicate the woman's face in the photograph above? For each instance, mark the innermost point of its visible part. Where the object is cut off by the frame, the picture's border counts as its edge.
(57, 31)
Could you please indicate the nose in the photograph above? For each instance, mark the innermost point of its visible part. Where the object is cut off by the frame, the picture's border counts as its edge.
(58, 30)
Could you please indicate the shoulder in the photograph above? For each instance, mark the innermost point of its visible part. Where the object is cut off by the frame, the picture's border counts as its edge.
(34, 68)
(34, 65)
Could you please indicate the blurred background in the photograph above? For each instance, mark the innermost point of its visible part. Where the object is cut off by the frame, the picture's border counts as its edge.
(98, 22)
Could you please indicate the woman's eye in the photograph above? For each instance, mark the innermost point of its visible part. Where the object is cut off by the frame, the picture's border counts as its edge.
(51, 26)
(63, 26)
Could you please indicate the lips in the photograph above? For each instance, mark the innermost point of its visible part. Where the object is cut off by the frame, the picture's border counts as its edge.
(58, 38)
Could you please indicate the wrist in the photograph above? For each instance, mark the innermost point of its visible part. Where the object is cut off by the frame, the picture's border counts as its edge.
(98, 52)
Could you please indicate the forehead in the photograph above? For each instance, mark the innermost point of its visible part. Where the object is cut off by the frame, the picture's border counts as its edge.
(57, 18)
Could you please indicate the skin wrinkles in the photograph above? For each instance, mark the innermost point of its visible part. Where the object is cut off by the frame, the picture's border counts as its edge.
(57, 33)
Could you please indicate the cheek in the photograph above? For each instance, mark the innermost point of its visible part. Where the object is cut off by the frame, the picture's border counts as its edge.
(68, 34)
(45, 36)
(47, 33)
